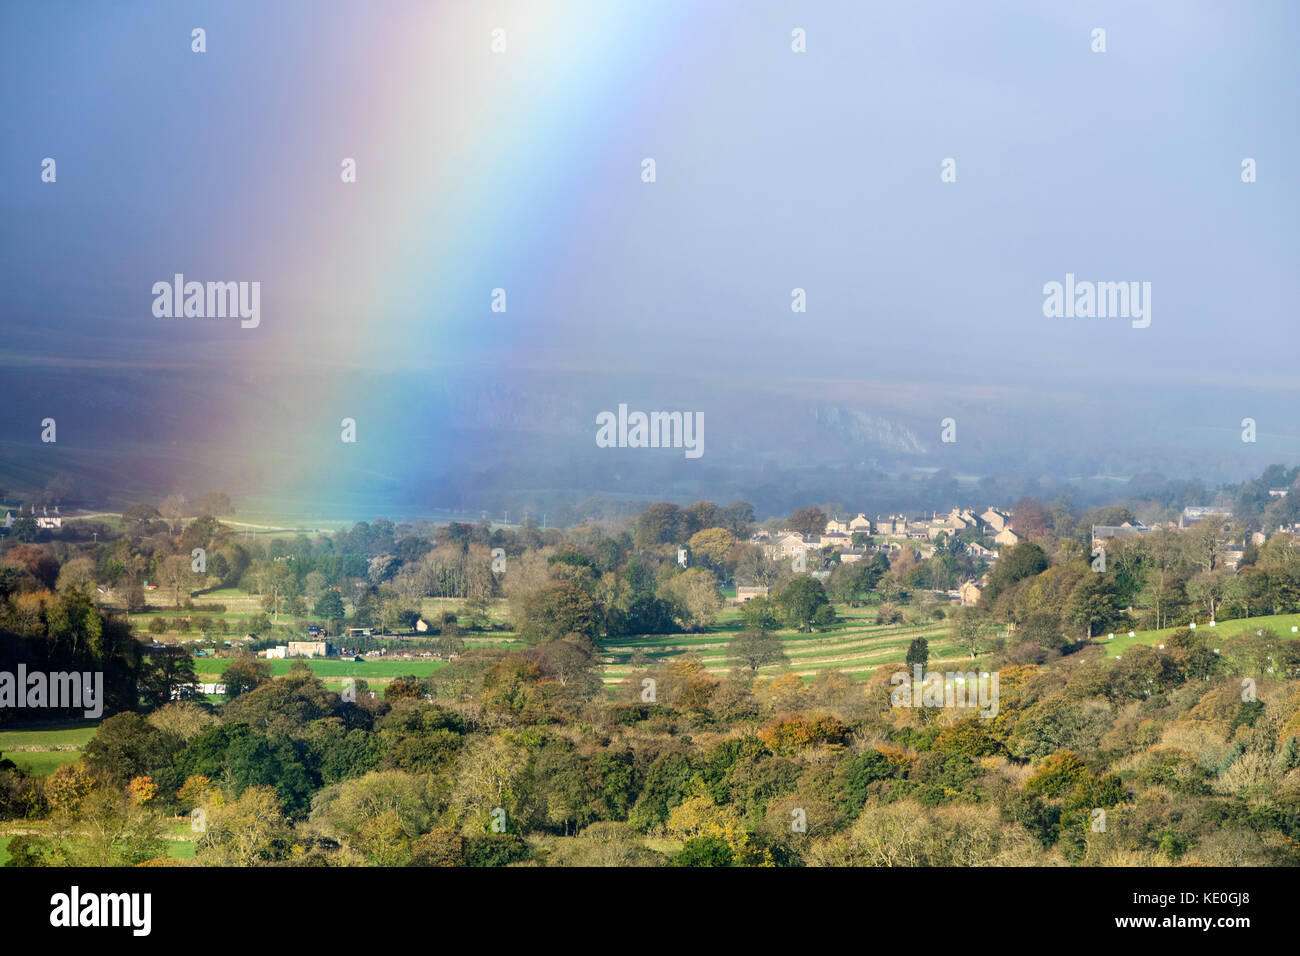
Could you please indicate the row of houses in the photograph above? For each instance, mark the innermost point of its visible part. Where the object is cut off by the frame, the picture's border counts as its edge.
(1232, 553)
(44, 521)
(1102, 533)
(790, 545)
(839, 533)
(993, 522)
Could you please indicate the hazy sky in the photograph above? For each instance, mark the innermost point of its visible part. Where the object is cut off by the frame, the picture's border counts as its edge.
(522, 170)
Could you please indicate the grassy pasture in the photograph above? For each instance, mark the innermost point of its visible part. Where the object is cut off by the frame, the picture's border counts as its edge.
(42, 749)
(852, 647)
(1281, 623)
(378, 669)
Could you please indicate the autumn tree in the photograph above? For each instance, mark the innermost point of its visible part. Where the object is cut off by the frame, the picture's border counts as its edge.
(1030, 518)
(77, 574)
(711, 546)
(213, 503)
(1209, 589)
(249, 831)
(661, 523)
(808, 521)
(694, 595)
(173, 507)
(755, 649)
(971, 629)
(244, 674)
(176, 574)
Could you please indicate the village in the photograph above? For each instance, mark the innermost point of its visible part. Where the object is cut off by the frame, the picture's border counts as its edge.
(850, 540)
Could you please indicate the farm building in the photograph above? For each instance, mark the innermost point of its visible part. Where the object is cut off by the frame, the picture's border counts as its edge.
(309, 649)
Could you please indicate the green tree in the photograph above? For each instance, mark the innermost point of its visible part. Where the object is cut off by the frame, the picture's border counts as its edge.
(738, 518)
(704, 851)
(1093, 603)
(244, 674)
(1015, 563)
(168, 674)
(851, 583)
(801, 600)
(24, 528)
(329, 607)
(760, 613)
(918, 652)
(126, 746)
(661, 523)
(558, 611)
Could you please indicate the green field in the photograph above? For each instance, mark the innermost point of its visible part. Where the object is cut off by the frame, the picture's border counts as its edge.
(52, 735)
(40, 750)
(1281, 623)
(177, 849)
(852, 647)
(858, 649)
(241, 608)
(40, 763)
(498, 609)
(378, 669)
(180, 845)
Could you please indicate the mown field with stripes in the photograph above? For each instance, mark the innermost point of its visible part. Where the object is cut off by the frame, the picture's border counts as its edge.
(855, 646)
